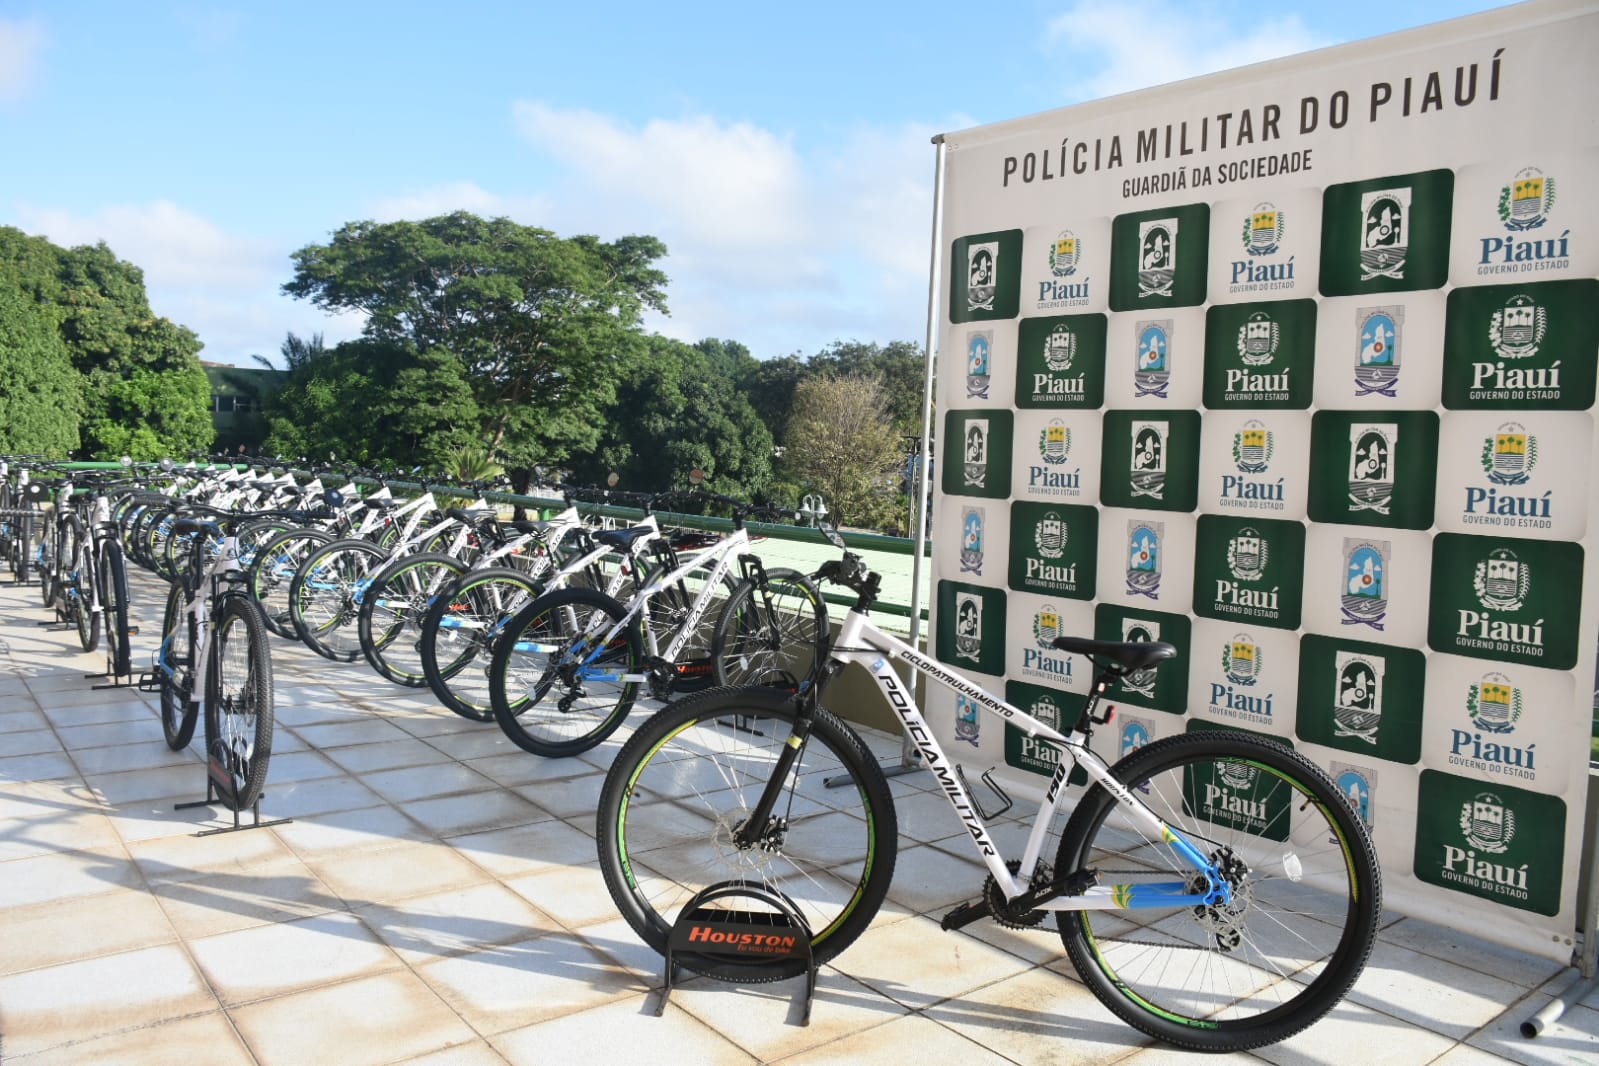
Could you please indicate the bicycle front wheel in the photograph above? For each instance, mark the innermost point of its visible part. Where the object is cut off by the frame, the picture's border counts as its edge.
(238, 713)
(689, 778)
(113, 577)
(563, 675)
(1305, 893)
(81, 593)
(771, 636)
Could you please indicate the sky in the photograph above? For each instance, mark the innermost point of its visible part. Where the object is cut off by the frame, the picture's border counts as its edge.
(781, 152)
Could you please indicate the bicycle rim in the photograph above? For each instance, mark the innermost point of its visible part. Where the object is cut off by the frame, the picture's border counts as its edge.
(272, 574)
(174, 666)
(392, 613)
(1305, 894)
(690, 776)
(325, 597)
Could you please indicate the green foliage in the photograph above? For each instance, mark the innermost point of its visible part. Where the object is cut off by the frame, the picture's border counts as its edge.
(543, 328)
(377, 402)
(679, 411)
(142, 389)
(38, 387)
(841, 444)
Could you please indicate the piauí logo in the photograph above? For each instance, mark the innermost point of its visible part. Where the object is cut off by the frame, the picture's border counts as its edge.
(979, 360)
(1258, 339)
(1144, 551)
(1046, 626)
(1384, 237)
(968, 719)
(1357, 698)
(1356, 783)
(1377, 350)
(1055, 442)
(1252, 447)
(1248, 554)
(1157, 257)
(1488, 825)
(1060, 348)
(1149, 459)
(1509, 456)
(1372, 462)
(976, 452)
(1263, 230)
(971, 540)
(1064, 252)
(1152, 368)
(1364, 597)
(968, 625)
(1501, 581)
(1526, 202)
(1050, 536)
(982, 275)
(1494, 704)
(1037, 753)
(1517, 329)
(1241, 660)
(1141, 681)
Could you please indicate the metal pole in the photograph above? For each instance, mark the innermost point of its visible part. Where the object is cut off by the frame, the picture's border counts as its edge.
(909, 759)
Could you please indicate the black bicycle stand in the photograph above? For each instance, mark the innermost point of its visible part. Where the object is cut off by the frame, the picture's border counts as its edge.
(776, 931)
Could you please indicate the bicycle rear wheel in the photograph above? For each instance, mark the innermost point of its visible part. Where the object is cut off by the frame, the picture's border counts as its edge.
(771, 636)
(273, 570)
(238, 702)
(555, 692)
(325, 597)
(459, 634)
(689, 777)
(389, 623)
(1306, 893)
(174, 665)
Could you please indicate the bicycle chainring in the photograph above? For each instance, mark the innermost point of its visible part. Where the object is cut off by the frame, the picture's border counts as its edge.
(1003, 910)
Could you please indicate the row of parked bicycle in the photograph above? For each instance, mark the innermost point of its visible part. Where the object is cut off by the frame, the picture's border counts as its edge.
(456, 599)
(1212, 888)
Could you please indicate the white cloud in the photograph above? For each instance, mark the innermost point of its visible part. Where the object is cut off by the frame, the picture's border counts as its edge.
(222, 285)
(20, 45)
(1138, 44)
(459, 196)
(780, 244)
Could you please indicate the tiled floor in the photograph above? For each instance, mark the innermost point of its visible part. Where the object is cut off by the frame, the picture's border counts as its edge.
(436, 899)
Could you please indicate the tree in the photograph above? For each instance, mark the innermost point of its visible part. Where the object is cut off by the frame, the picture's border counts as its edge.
(900, 366)
(841, 444)
(143, 391)
(680, 411)
(375, 402)
(543, 328)
(38, 387)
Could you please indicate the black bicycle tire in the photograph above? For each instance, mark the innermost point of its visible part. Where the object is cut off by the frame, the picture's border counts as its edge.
(268, 576)
(439, 677)
(314, 634)
(113, 573)
(374, 644)
(84, 569)
(178, 712)
(512, 714)
(731, 664)
(238, 609)
(1247, 756)
(626, 866)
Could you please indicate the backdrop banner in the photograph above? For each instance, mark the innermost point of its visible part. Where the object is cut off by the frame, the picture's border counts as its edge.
(1294, 366)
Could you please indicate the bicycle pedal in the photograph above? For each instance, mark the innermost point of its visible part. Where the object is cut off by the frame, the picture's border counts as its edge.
(965, 915)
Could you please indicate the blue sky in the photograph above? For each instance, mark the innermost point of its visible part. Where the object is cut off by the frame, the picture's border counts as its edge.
(781, 151)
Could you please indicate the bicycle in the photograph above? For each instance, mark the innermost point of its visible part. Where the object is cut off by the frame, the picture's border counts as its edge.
(589, 655)
(214, 651)
(1213, 889)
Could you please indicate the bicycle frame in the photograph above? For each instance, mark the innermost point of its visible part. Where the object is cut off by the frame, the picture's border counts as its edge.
(860, 641)
(198, 610)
